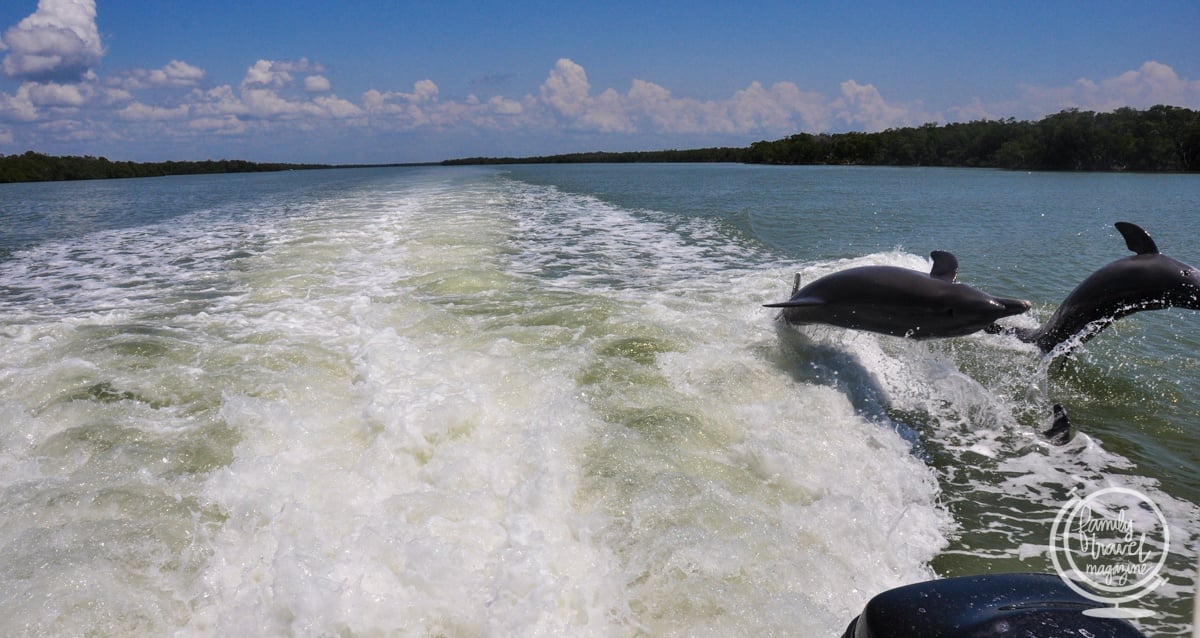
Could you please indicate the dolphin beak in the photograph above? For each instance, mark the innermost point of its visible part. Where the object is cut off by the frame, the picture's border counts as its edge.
(1014, 306)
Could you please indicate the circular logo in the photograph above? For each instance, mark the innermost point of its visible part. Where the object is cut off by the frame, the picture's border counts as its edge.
(1110, 547)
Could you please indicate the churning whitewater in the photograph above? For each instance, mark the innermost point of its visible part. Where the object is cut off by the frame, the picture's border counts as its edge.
(433, 403)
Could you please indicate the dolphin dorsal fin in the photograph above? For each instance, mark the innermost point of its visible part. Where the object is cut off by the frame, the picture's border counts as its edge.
(945, 265)
(1136, 239)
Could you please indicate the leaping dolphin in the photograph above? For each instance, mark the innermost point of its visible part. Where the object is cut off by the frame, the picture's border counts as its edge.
(898, 301)
(1147, 280)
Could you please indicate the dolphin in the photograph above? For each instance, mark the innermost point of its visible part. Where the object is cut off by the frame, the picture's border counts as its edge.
(1148, 280)
(898, 301)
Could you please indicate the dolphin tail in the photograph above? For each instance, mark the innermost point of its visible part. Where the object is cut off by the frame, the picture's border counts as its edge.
(1060, 432)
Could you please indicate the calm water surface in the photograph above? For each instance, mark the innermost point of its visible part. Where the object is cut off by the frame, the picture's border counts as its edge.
(546, 400)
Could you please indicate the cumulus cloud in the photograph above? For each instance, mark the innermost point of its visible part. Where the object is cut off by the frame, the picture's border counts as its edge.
(18, 107)
(223, 125)
(503, 106)
(176, 74)
(276, 96)
(565, 100)
(51, 94)
(862, 106)
(648, 107)
(316, 84)
(566, 90)
(278, 73)
(1152, 83)
(57, 42)
(143, 113)
(266, 73)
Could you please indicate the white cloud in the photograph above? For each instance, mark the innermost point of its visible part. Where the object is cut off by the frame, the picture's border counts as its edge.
(1151, 84)
(226, 125)
(754, 107)
(59, 41)
(606, 114)
(19, 107)
(650, 108)
(423, 91)
(809, 111)
(138, 112)
(71, 130)
(976, 110)
(278, 73)
(566, 90)
(862, 104)
(275, 97)
(504, 106)
(176, 74)
(265, 73)
(316, 84)
(52, 94)
(335, 107)
(665, 113)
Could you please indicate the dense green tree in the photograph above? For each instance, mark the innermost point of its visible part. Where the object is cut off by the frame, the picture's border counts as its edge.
(35, 167)
(1161, 138)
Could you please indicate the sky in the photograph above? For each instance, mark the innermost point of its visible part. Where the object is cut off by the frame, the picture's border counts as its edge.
(382, 81)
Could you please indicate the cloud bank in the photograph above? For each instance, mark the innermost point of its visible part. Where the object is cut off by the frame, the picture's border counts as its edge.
(59, 42)
(54, 54)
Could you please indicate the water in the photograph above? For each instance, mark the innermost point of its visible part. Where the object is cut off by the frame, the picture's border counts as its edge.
(547, 401)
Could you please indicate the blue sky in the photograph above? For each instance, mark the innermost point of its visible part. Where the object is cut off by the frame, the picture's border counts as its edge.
(396, 81)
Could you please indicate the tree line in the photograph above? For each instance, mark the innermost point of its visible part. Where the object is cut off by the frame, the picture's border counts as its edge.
(1161, 138)
(717, 154)
(1158, 139)
(36, 167)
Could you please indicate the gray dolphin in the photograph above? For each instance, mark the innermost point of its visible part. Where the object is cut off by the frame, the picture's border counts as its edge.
(1148, 280)
(898, 301)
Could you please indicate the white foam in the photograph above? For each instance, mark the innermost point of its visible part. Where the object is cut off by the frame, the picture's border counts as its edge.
(515, 470)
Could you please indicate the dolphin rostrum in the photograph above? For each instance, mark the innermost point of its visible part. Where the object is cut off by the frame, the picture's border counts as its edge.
(1148, 280)
(898, 301)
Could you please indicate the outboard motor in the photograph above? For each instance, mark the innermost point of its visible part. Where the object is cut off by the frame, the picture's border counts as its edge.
(990, 605)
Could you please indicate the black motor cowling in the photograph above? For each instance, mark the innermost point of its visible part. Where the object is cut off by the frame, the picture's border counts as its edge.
(991, 605)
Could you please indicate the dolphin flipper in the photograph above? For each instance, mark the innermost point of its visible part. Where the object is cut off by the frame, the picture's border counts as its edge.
(945, 266)
(1136, 239)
